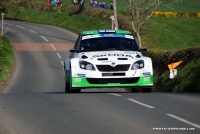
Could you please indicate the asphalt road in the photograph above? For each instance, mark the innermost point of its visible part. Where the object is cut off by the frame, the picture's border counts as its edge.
(35, 102)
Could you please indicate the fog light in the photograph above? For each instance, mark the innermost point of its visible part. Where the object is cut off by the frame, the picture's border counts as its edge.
(82, 66)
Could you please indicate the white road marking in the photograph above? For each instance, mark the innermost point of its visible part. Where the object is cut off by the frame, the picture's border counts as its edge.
(33, 31)
(59, 55)
(8, 23)
(53, 46)
(44, 38)
(183, 120)
(62, 63)
(20, 27)
(140, 103)
(114, 94)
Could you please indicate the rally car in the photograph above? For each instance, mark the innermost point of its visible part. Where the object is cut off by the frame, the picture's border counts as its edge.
(107, 58)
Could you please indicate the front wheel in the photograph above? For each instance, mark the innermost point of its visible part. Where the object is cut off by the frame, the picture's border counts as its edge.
(68, 83)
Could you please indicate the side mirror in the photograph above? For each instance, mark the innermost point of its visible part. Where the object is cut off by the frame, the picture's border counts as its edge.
(73, 50)
(143, 49)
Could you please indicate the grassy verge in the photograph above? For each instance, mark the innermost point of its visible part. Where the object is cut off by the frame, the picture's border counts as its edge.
(6, 59)
(67, 20)
(176, 33)
(187, 79)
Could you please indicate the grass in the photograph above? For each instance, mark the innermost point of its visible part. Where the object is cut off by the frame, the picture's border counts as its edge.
(178, 33)
(6, 59)
(65, 20)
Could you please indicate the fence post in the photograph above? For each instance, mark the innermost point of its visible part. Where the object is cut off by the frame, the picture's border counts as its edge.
(2, 15)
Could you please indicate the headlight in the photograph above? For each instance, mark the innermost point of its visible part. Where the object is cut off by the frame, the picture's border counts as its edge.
(137, 65)
(86, 65)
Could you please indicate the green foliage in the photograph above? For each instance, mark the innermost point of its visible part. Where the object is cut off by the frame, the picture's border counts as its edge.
(2, 7)
(59, 11)
(21, 9)
(6, 59)
(187, 79)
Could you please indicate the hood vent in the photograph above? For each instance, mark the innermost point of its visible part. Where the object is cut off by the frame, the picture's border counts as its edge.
(122, 58)
(138, 56)
(102, 58)
(84, 57)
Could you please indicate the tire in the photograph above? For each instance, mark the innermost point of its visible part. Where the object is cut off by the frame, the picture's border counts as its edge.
(68, 83)
(146, 90)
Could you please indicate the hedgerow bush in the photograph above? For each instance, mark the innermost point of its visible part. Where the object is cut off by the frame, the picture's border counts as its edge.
(6, 59)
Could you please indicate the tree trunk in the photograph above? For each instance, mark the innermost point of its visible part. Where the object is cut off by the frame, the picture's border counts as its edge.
(139, 39)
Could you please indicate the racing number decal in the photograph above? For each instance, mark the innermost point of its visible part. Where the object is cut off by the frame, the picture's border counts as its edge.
(77, 79)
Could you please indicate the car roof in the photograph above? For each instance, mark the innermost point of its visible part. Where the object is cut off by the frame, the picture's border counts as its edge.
(93, 32)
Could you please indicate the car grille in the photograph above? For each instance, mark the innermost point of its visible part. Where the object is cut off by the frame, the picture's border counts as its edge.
(108, 68)
(113, 80)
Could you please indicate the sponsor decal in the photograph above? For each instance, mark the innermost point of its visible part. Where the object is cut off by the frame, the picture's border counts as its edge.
(107, 55)
(108, 61)
(107, 35)
(81, 75)
(146, 79)
(77, 79)
(147, 74)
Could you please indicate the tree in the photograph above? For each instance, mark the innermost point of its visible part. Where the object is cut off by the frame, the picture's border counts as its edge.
(141, 11)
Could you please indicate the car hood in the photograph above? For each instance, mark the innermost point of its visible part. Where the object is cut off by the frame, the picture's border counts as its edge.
(106, 57)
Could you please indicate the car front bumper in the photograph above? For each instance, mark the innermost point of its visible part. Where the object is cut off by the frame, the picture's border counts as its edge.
(84, 82)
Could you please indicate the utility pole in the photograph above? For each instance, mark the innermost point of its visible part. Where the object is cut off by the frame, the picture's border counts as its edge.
(115, 15)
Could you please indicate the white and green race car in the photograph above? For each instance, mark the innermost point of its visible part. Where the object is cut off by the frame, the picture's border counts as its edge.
(107, 58)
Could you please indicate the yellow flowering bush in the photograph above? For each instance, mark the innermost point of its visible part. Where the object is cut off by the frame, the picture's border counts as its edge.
(198, 14)
(186, 15)
(174, 14)
(158, 14)
(170, 14)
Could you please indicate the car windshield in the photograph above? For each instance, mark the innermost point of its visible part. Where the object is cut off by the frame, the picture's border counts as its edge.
(108, 44)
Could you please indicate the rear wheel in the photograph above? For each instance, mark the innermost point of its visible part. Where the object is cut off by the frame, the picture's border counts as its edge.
(146, 90)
